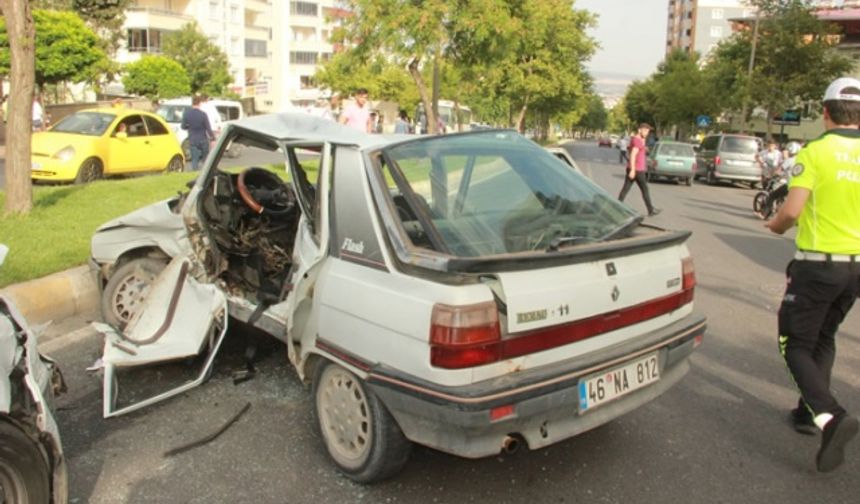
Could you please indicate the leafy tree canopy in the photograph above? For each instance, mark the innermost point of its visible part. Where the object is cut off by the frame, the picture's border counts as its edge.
(66, 49)
(206, 64)
(156, 77)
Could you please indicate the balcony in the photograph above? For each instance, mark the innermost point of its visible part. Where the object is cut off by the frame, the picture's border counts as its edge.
(148, 17)
(264, 6)
(257, 32)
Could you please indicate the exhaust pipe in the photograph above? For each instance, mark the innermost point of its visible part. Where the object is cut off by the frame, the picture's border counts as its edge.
(510, 444)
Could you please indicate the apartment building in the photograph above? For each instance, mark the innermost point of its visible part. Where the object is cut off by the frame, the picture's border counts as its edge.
(273, 46)
(698, 25)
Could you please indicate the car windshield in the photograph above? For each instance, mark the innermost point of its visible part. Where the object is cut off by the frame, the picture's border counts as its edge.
(172, 113)
(740, 145)
(84, 123)
(491, 192)
(678, 150)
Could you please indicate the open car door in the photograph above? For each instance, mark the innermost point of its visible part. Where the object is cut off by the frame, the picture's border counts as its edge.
(180, 318)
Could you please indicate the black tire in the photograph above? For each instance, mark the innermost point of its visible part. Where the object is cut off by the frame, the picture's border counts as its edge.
(758, 202)
(24, 473)
(377, 449)
(127, 288)
(175, 165)
(91, 169)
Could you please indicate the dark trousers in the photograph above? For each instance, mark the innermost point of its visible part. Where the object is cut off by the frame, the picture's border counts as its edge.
(817, 299)
(642, 182)
(199, 151)
(622, 156)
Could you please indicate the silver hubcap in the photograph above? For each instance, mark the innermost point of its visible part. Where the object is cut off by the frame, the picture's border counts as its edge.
(344, 416)
(129, 294)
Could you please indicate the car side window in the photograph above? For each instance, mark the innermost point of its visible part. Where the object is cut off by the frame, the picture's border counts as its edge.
(133, 126)
(228, 113)
(710, 143)
(155, 127)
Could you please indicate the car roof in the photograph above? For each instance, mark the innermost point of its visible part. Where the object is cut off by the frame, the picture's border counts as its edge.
(311, 128)
(187, 101)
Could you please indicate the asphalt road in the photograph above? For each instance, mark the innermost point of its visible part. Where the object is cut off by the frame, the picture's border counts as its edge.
(720, 436)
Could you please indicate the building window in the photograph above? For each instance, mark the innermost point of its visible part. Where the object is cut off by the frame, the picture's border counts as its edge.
(144, 40)
(303, 57)
(213, 11)
(304, 8)
(307, 82)
(255, 48)
(717, 14)
(688, 32)
(234, 46)
(717, 31)
(234, 13)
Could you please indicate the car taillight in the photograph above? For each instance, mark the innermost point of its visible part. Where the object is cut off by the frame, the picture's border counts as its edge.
(464, 336)
(717, 160)
(694, 166)
(688, 275)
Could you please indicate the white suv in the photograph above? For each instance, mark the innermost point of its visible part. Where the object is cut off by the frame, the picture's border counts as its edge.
(468, 292)
(171, 111)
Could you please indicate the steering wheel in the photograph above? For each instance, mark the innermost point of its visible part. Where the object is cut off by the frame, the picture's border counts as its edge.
(264, 192)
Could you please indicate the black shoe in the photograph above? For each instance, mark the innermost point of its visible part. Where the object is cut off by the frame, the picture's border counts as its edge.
(654, 211)
(837, 433)
(801, 419)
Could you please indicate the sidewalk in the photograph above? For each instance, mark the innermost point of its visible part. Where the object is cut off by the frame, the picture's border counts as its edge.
(57, 296)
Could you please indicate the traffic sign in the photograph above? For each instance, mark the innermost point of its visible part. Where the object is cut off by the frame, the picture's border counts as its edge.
(703, 121)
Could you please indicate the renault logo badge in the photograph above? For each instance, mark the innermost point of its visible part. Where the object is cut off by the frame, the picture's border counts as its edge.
(610, 269)
(615, 293)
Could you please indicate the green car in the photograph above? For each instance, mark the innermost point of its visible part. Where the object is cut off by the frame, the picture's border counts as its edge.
(672, 160)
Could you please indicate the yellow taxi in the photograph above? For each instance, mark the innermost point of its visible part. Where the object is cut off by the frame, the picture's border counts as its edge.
(95, 143)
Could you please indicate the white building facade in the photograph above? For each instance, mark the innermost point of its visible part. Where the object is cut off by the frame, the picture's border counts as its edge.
(698, 25)
(272, 46)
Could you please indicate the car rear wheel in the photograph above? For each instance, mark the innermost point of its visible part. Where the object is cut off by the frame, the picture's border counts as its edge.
(24, 472)
(361, 437)
(175, 164)
(688, 181)
(127, 288)
(90, 170)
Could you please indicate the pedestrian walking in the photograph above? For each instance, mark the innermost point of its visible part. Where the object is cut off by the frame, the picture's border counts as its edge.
(401, 125)
(212, 113)
(38, 115)
(636, 168)
(823, 280)
(357, 114)
(200, 133)
(623, 144)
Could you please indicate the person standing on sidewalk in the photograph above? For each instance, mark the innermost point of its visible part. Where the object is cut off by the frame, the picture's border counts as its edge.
(636, 168)
(357, 115)
(623, 144)
(200, 134)
(823, 280)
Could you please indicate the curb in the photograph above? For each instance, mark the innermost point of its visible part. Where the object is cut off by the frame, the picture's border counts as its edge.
(56, 296)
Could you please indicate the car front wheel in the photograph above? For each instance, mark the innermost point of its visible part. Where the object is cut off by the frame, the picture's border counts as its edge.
(24, 472)
(127, 288)
(362, 438)
(91, 169)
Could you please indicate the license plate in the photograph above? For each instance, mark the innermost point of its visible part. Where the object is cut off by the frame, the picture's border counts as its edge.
(37, 166)
(676, 163)
(607, 385)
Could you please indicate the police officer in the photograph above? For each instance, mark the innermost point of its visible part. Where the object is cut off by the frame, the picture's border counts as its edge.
(823, 280)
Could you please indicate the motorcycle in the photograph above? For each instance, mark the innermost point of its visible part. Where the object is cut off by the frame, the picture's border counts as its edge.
(767, 201)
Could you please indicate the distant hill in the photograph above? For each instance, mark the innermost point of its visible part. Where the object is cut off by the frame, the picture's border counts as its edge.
(612, 86)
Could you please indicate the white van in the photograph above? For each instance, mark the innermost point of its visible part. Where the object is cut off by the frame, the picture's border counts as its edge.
(172, 110)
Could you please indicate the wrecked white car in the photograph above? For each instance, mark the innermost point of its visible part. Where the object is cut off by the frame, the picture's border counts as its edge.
(32, 467)
(467, 292)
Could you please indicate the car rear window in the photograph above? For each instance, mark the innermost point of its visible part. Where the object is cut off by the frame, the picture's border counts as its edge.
(488, 193)
(740, 145)
(679, 150)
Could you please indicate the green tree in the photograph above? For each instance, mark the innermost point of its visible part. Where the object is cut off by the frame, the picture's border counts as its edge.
(66, 49)
(794, 59)
(206, 64)
(640, 102)
(156, 77)
(595, 116)
(683, 92)
(617, 119)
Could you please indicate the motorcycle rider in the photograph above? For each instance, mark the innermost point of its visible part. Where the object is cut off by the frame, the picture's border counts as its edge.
(780, 191)
(770, 160)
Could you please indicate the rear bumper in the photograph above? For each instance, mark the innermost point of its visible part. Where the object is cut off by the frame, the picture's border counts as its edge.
(545, 401)
(742, 177)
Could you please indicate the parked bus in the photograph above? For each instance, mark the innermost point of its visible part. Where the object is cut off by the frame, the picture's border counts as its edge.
(455, 116)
